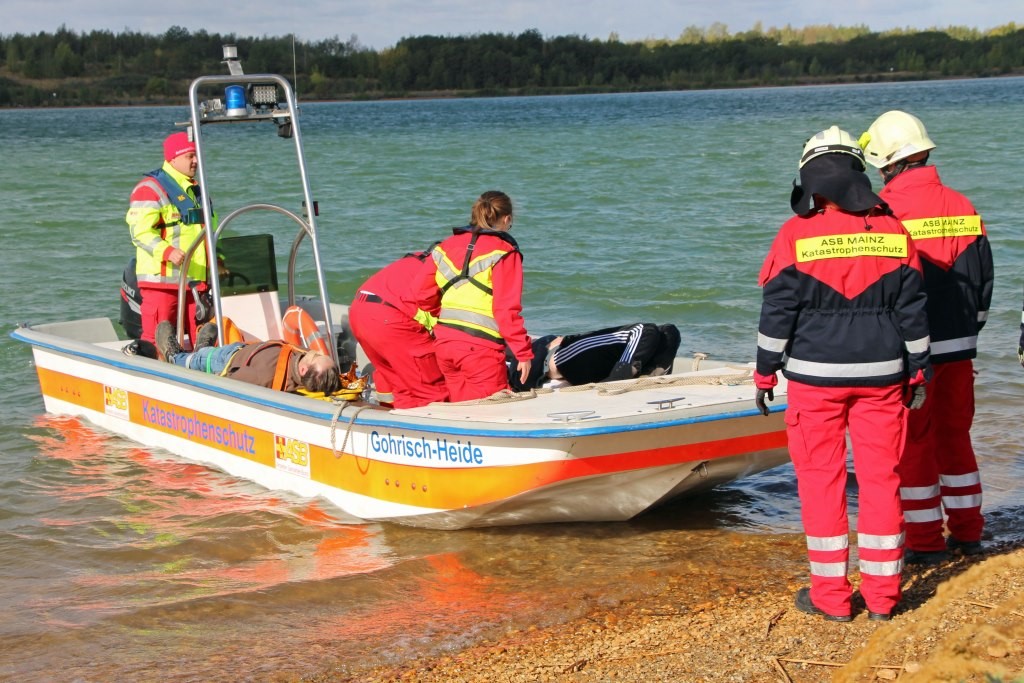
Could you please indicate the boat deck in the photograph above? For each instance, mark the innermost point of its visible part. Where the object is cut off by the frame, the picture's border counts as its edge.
(689, 394)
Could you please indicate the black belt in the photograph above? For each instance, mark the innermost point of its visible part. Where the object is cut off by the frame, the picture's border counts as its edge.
(373, 299)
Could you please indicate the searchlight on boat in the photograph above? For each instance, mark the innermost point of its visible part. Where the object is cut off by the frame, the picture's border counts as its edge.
(257, 99)
(231, 59)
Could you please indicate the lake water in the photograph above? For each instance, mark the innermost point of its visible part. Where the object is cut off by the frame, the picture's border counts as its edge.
(124, 563)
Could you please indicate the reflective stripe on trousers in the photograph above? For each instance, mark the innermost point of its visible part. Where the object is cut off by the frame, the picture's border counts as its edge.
(817, 419)
(938, 469)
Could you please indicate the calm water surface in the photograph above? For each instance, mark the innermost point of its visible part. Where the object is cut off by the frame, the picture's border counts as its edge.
(126, 563)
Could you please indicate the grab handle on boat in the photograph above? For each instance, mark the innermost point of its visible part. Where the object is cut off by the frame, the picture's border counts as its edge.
(665, 403)
(573, 415)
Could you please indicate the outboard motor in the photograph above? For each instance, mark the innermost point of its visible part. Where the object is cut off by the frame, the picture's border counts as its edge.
(131, 314)
(131, 302)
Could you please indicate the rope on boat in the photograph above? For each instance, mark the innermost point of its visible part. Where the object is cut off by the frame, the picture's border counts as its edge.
(649, 382)
(503, 396)
(641, 383)
(334, 426)
(623, 387)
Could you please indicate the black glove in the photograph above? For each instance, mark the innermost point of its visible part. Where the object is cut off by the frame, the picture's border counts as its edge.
(759, 399)
(1020, 355)
(913, 397)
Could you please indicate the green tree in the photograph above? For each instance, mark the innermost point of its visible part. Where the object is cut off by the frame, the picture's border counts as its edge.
(65, 62)
(156, 86)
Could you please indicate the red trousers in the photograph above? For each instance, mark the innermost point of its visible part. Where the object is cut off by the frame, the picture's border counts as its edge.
(938, 468)
(471, 369)
(161, 303)
(402, 353)
(817, 420)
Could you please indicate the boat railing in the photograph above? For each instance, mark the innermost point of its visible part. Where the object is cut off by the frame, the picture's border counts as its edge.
(249, 99)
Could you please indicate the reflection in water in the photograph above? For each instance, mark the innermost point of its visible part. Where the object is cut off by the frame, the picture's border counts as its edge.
(180, 531)
(157, 560)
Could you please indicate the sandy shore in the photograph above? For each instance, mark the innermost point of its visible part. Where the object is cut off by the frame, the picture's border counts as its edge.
(962, 621)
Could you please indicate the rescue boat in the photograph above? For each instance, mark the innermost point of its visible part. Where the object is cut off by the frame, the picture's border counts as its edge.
(602, 452)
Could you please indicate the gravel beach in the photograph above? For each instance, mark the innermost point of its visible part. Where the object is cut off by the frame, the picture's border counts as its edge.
(961, 621)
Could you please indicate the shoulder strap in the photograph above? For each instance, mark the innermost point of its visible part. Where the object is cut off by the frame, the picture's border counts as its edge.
(281, 371)
(464, 275)
(422, 255)
(175, 194)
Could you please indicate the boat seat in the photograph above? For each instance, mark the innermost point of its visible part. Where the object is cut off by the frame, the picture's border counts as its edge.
(257, 316)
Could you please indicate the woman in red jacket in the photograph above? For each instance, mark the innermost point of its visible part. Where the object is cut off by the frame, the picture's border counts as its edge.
(478, 273)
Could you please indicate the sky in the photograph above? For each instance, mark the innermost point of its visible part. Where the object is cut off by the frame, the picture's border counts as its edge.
(379, 24)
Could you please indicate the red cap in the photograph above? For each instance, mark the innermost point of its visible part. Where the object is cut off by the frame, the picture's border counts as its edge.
(177, 144)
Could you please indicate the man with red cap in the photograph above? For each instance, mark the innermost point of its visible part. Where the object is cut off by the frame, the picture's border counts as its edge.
(165, 217)
(844, 318)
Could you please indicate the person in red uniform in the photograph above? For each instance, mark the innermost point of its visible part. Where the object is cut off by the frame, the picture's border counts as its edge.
(938, 468)
(165, 219)
(478, 280)
(843, 317)
(395, 333)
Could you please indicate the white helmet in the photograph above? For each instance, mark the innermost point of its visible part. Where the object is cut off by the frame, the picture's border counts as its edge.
(894, 135)
(833, 140)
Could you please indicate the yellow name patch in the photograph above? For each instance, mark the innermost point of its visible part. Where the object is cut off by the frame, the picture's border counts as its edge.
(943, 226)
(849, 246)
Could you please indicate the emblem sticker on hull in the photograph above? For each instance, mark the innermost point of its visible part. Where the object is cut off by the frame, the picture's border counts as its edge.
(291, 456)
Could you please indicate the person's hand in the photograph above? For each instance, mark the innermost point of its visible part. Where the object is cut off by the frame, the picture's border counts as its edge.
(1020, 355)
(914, 396)
(524, 370)
(759, 398)
(176, 256)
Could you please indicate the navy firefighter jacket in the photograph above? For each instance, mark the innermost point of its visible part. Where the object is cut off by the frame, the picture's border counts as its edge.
(843, 303)
(955, 256)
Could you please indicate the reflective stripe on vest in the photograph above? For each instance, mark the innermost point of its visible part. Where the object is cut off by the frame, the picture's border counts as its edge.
(467, 300)
(173, 208)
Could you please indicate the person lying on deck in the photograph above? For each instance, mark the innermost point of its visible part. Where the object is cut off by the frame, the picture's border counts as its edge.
(272, 364)
(605, 355)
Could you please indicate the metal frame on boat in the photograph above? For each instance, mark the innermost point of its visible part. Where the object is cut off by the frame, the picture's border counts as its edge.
(601, 452)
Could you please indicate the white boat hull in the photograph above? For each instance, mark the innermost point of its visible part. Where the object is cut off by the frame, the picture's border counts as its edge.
(602, 454)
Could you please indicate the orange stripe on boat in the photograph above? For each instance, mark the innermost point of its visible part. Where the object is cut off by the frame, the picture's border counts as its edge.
(454, 488)
(440, 488)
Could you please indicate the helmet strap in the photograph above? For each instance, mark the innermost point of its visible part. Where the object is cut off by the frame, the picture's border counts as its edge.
(894, 169)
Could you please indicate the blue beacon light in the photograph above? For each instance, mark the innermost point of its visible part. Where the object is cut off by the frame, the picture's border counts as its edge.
(234, 100)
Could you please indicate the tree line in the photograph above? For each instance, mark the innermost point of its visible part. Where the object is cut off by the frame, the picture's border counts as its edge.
(66, 68)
